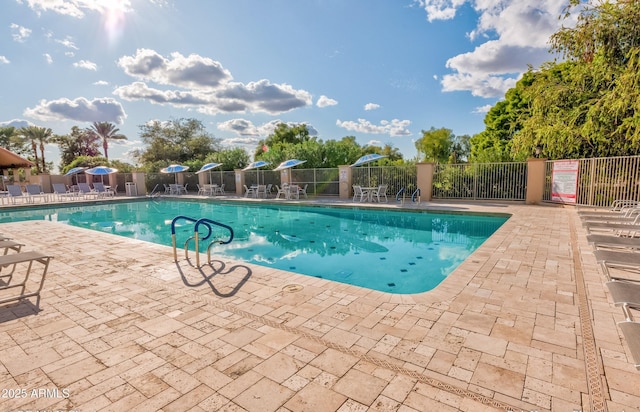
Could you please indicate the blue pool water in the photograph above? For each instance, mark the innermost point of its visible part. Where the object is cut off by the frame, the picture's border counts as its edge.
(391, 251)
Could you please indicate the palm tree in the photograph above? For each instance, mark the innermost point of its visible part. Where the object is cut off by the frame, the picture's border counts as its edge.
(106, 131)
(37, 137)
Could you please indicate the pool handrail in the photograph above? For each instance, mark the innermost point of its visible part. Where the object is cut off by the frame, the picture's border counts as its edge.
(207, 222)
(173, 234)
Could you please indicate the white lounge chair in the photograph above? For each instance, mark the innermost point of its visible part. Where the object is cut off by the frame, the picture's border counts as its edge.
(280, 191)
(35, 192)
(249, 191)
(303, 190)
(86, 191)
(61, 192)
(102, 190)
(15, 192)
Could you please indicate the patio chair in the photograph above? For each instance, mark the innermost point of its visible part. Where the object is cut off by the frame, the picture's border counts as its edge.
(15, 192)
(359, 192)
(381, 191)
(614, 242)
(167, 189)
(219, 189)
(86, 191)
(249, 191)
(303, 191)
(35, 192)
(201, 190)
(280, 191)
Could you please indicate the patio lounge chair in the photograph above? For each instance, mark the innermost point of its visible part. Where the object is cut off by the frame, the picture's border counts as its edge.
(612, 241)
(631, 332)
(35, 192)
(61, 192)
(249, 191)
(102, 190)
(85, 191)
(20, 283)
(15, 192)
(615, 259)
(621, 229)
(219, 189)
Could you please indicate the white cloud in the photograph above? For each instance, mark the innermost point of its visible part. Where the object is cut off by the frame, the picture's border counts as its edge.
(80, 109)
(17, 123)
(192, 71)
(85, 64)
(246, 128)
(242, 127)
(101, 83)
(204, 85)
(48, 58)
(68, 43)
(393, 128)
(4, 60)
(77, 8)
(324, 101)
(374, 142)
(371, 106)
(19, 33)
(483, 109)
(514, 35)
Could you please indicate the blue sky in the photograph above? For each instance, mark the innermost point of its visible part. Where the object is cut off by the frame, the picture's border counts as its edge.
(380, 70)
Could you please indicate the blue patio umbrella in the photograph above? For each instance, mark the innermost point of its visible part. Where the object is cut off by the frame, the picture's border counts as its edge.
(74, 171)
(367, 159)
(288, 164)
(101, 171)
(175, 169)
(208, 167)
(256, 165)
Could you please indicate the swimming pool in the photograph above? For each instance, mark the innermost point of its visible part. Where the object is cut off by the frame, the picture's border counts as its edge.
(387, 250)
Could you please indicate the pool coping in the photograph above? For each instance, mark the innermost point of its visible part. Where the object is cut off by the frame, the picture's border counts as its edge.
(508, 311)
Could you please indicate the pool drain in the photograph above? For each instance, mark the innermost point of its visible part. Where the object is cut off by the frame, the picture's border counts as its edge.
(292, 288)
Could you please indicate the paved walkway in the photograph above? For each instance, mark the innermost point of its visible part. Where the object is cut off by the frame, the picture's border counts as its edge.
(524, 324)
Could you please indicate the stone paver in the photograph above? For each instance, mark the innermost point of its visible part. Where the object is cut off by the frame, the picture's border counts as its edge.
(524, 324)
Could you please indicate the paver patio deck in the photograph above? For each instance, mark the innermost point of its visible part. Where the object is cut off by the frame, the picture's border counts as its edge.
(524, 324)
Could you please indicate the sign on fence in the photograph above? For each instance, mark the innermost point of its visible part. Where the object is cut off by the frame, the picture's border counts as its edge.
(564, 181)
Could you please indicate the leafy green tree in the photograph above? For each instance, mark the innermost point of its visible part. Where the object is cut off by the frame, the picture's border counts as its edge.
(586, 106)
(79, 142)
(86, 161)
(106, 131)
(436, 144)
(231, 159)
(37, 137)
(282, 134)
(341, 152)
(10, 140)
(183, 141)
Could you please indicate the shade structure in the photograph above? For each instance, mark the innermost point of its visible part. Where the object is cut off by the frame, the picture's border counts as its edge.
(288, 164)
(175, 169)
(101, 171)
(10, 160)
(208, 167)
(367, 159)
(257, 165)
(74, 171)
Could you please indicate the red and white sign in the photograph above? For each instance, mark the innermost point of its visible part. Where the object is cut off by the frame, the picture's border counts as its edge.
(564, 181)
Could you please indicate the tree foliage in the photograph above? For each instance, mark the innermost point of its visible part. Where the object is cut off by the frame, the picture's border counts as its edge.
(441, 145)
(106, 131)
(183, 141)
(585, 106)
(79, 142)
(37, 137)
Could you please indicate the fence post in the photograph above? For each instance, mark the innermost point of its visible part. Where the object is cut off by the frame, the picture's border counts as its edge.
(345, 180)
(239, 182)
(424, 176)
(535, 180)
